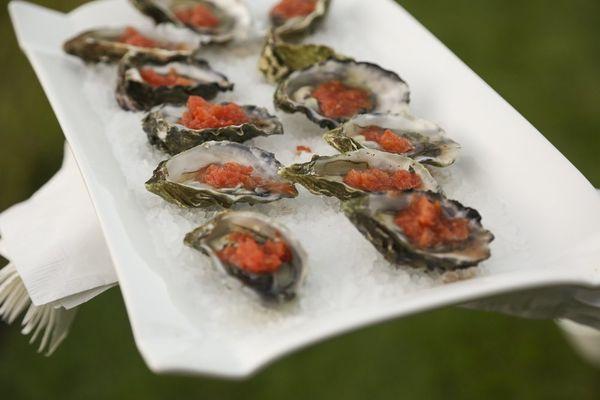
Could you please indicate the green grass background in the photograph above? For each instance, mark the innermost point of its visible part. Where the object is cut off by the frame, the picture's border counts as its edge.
(542, 56)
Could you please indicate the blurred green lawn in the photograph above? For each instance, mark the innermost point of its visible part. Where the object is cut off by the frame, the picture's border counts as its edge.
(542, 56)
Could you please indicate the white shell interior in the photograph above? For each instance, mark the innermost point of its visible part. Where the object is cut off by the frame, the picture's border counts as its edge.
(198, 157)
(299, 23)
(399, 122)
(236, 10)
(390, 94)
(381, 160)
(187, 70)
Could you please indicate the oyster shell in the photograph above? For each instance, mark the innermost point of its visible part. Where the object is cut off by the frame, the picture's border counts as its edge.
(302, 24)
(325, 174)
(213, 236)
(373, 216)
(390, 94)
(233, 15)
(134, 93)
(429, 143)
(279, 58)
(103, 45)
(164, 130)
(175, 179)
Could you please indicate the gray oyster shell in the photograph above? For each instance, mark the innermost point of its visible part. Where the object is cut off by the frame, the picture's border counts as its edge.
(133, 93)
(302, 25)
(233, 15)
(325, 174)
(430, 144)
(174, 179)
(373, 216)
(102, 45)
(294, 94)
(164, 130)
(279, 58)
(211, 237)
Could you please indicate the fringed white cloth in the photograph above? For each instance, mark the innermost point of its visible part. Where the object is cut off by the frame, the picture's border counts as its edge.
(69, 265)
(47, 323)
(70, 256)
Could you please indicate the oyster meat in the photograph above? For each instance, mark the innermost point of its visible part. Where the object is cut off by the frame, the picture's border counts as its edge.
(145, 81)
(216, 21)
(279, 58)
(296, 17)
(111, 44)
(421, 229)
(220, 174)
(403, 134)
(332, 92)
(335, 175)
(165, 129)
(278, 264)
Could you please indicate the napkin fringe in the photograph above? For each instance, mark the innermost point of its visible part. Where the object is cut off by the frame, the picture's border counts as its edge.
(51, 325)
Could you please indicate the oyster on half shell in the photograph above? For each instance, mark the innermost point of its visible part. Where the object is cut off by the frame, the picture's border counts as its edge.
(325, 174)
(214, 237)
(374, 216)
(424, 141)
(176, 180)
(279, 58)
(164, 130)
(196, 76)
(387, 91)
(105, 45)
(299, 25)
(231, 17)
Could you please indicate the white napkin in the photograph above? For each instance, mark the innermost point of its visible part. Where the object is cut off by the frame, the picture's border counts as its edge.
(55, 243)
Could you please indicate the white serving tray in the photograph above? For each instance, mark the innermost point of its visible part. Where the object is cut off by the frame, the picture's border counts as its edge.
(544, 213)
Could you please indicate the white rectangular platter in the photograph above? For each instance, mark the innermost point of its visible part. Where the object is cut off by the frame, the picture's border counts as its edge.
(186, 317)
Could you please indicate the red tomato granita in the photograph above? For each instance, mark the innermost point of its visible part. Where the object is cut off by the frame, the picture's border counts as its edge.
(425, 225)
(232, 175)
(287, 9)
(201, 114)
(338, 100)
(387, 140)
(379, 180)
(133, 37)
(199, 15)
(303, 149)
(172, 78)
(247, 254)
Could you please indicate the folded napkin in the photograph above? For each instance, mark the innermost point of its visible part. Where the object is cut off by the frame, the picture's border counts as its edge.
(57, 256)
(55, 242)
